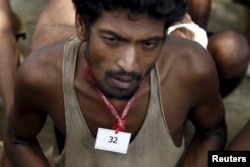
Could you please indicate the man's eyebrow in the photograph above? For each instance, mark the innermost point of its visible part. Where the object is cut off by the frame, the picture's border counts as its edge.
(112, 34)
(155, 38)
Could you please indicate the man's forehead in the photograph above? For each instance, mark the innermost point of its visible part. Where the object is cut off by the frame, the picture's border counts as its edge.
(122, 21)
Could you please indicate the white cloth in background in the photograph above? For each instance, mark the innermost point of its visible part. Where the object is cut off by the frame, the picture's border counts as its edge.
(200, 34)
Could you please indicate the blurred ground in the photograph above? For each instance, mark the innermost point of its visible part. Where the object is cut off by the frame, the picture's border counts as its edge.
(225, 15)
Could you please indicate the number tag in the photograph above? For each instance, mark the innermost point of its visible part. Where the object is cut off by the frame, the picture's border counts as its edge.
(108, 140)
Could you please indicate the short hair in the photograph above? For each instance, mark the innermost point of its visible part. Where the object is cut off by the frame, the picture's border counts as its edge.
(170, 10)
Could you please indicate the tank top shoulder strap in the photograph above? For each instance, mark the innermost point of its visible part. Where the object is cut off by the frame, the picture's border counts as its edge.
(71, 48)
(69, 64)
(156, 76)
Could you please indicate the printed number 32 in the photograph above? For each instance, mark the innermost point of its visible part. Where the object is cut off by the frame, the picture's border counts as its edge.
(113, 139)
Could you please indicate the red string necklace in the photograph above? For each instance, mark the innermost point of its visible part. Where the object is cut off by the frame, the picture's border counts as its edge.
(120, 123)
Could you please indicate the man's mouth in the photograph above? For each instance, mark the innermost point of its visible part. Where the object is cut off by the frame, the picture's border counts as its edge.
(123, 82)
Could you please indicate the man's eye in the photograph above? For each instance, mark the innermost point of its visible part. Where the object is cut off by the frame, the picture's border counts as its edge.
(110, 39)
(148, 44)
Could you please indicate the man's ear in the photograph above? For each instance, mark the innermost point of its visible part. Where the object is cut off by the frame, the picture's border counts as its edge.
(80, 28)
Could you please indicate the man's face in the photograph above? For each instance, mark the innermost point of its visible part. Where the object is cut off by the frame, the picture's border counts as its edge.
(121, 52)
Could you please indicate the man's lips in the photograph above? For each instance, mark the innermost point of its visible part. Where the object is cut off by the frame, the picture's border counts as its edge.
(123, 82)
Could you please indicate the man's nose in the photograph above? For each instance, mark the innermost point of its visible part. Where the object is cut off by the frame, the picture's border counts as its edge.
(127, 60)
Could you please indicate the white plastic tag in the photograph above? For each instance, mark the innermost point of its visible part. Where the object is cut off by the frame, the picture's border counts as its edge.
(108, 140)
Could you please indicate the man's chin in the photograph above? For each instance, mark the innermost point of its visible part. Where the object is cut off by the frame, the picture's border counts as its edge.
(116, 93)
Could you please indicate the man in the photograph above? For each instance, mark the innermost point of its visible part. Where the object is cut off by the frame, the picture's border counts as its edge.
(121, 61)
(9, 60)
(47, 30)
(8, 55)
(56, 22)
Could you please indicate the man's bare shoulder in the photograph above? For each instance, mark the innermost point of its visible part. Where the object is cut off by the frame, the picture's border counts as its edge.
(42, 69)
(185, 57)
(44, 60)
(189, 66)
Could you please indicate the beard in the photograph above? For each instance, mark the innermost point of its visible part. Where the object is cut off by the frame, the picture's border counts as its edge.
(119, 93)
(122, 95)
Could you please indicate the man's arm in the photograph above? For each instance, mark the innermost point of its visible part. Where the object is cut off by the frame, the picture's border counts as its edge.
(26, 119)
(207, 116)
(56, 22)
(8, 55)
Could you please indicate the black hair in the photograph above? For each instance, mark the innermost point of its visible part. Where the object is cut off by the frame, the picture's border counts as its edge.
(170, 10)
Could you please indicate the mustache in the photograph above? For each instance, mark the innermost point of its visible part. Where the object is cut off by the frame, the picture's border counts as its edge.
(134, 75)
